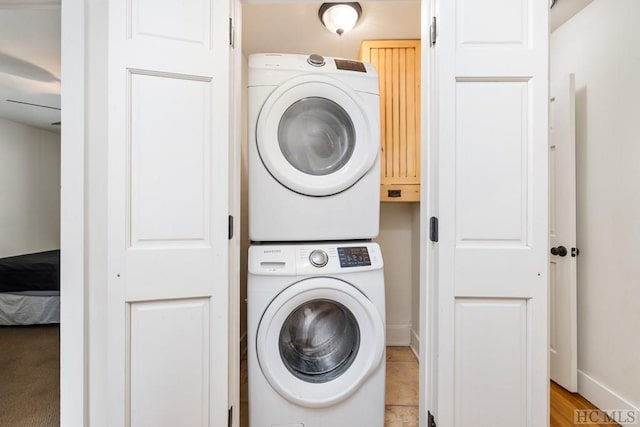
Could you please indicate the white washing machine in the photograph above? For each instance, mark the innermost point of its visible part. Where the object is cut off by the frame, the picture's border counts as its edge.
(313, 143)
(316, 335)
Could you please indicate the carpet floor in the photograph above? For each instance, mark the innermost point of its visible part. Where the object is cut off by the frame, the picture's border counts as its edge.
(30, 376)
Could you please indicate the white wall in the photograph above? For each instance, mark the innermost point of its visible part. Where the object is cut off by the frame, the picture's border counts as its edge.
(29, 189)
(397, 241)
(600, 45)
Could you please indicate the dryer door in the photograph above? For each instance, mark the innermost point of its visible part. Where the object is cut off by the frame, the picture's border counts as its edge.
(316, 136)
(318, 341)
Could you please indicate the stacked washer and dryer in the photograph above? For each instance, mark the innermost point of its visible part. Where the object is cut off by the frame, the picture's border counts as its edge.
(315, 291)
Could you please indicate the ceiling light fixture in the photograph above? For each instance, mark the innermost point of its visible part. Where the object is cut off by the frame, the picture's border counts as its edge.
(340, 17)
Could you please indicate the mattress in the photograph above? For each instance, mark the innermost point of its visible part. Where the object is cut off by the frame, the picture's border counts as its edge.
(29, 308)
(32, 272)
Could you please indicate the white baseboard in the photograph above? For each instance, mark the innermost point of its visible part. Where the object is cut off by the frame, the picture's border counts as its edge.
(243, 346)
(399, 335)
(604, 398)
(415, 343)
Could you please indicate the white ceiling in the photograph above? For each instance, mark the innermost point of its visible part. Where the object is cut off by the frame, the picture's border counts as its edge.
(30, 42)
(30, 61)
(563, 10)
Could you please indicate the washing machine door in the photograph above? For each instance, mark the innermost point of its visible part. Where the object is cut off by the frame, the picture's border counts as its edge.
(315, 135)
(318, 341)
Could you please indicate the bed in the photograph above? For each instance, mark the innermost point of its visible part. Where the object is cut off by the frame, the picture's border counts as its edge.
(30, 289)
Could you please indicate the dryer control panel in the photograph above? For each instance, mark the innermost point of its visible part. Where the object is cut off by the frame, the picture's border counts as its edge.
(313, 259)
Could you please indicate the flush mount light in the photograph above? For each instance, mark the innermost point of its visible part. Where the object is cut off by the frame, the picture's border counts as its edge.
(340, 17)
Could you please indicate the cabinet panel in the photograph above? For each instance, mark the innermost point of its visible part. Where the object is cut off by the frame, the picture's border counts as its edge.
(398, 65)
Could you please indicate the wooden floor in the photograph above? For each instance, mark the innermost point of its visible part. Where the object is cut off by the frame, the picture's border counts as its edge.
(563, 407)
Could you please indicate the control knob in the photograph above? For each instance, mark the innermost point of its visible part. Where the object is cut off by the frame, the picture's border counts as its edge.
(318, 258)
(316, 60)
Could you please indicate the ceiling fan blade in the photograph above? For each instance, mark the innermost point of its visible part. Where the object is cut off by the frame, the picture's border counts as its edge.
(20, 68)
(34, 105)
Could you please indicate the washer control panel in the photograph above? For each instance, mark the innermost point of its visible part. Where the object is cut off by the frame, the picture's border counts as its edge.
(314, 259)
(353, 256)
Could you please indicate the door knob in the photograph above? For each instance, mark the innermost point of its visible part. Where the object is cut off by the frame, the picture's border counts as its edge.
(560, 251)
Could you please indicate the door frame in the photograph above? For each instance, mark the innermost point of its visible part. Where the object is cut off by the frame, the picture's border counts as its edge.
(428, 381)
(73, 266)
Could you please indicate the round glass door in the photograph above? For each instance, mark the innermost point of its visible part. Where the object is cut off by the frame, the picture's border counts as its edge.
(316, 136)
(319, 341)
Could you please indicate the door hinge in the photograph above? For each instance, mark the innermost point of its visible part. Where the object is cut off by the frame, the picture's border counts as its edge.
(433, 229)
(431, 422)
(230, 419)
(230, 227)
(575, 252)
(433, 33)
(232, 32)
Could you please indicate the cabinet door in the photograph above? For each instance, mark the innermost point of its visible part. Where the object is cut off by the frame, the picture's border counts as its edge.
(398, 65)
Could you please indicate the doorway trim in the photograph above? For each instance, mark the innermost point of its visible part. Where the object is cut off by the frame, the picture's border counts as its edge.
(428, 381)
(73, 322)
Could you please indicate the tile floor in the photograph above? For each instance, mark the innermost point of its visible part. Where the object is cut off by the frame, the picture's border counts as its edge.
(401, 395)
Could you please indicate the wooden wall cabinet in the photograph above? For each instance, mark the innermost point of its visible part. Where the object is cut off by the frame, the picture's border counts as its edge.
(398, 65)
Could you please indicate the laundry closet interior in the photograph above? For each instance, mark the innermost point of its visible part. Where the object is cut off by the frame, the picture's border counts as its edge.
(295, 28)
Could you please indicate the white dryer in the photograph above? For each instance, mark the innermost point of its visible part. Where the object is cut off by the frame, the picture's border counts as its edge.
(316, 335)
(313, 143)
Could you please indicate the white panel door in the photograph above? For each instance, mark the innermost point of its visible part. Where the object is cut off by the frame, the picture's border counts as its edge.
(563, 310)
(168, 179)
(488, 140)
